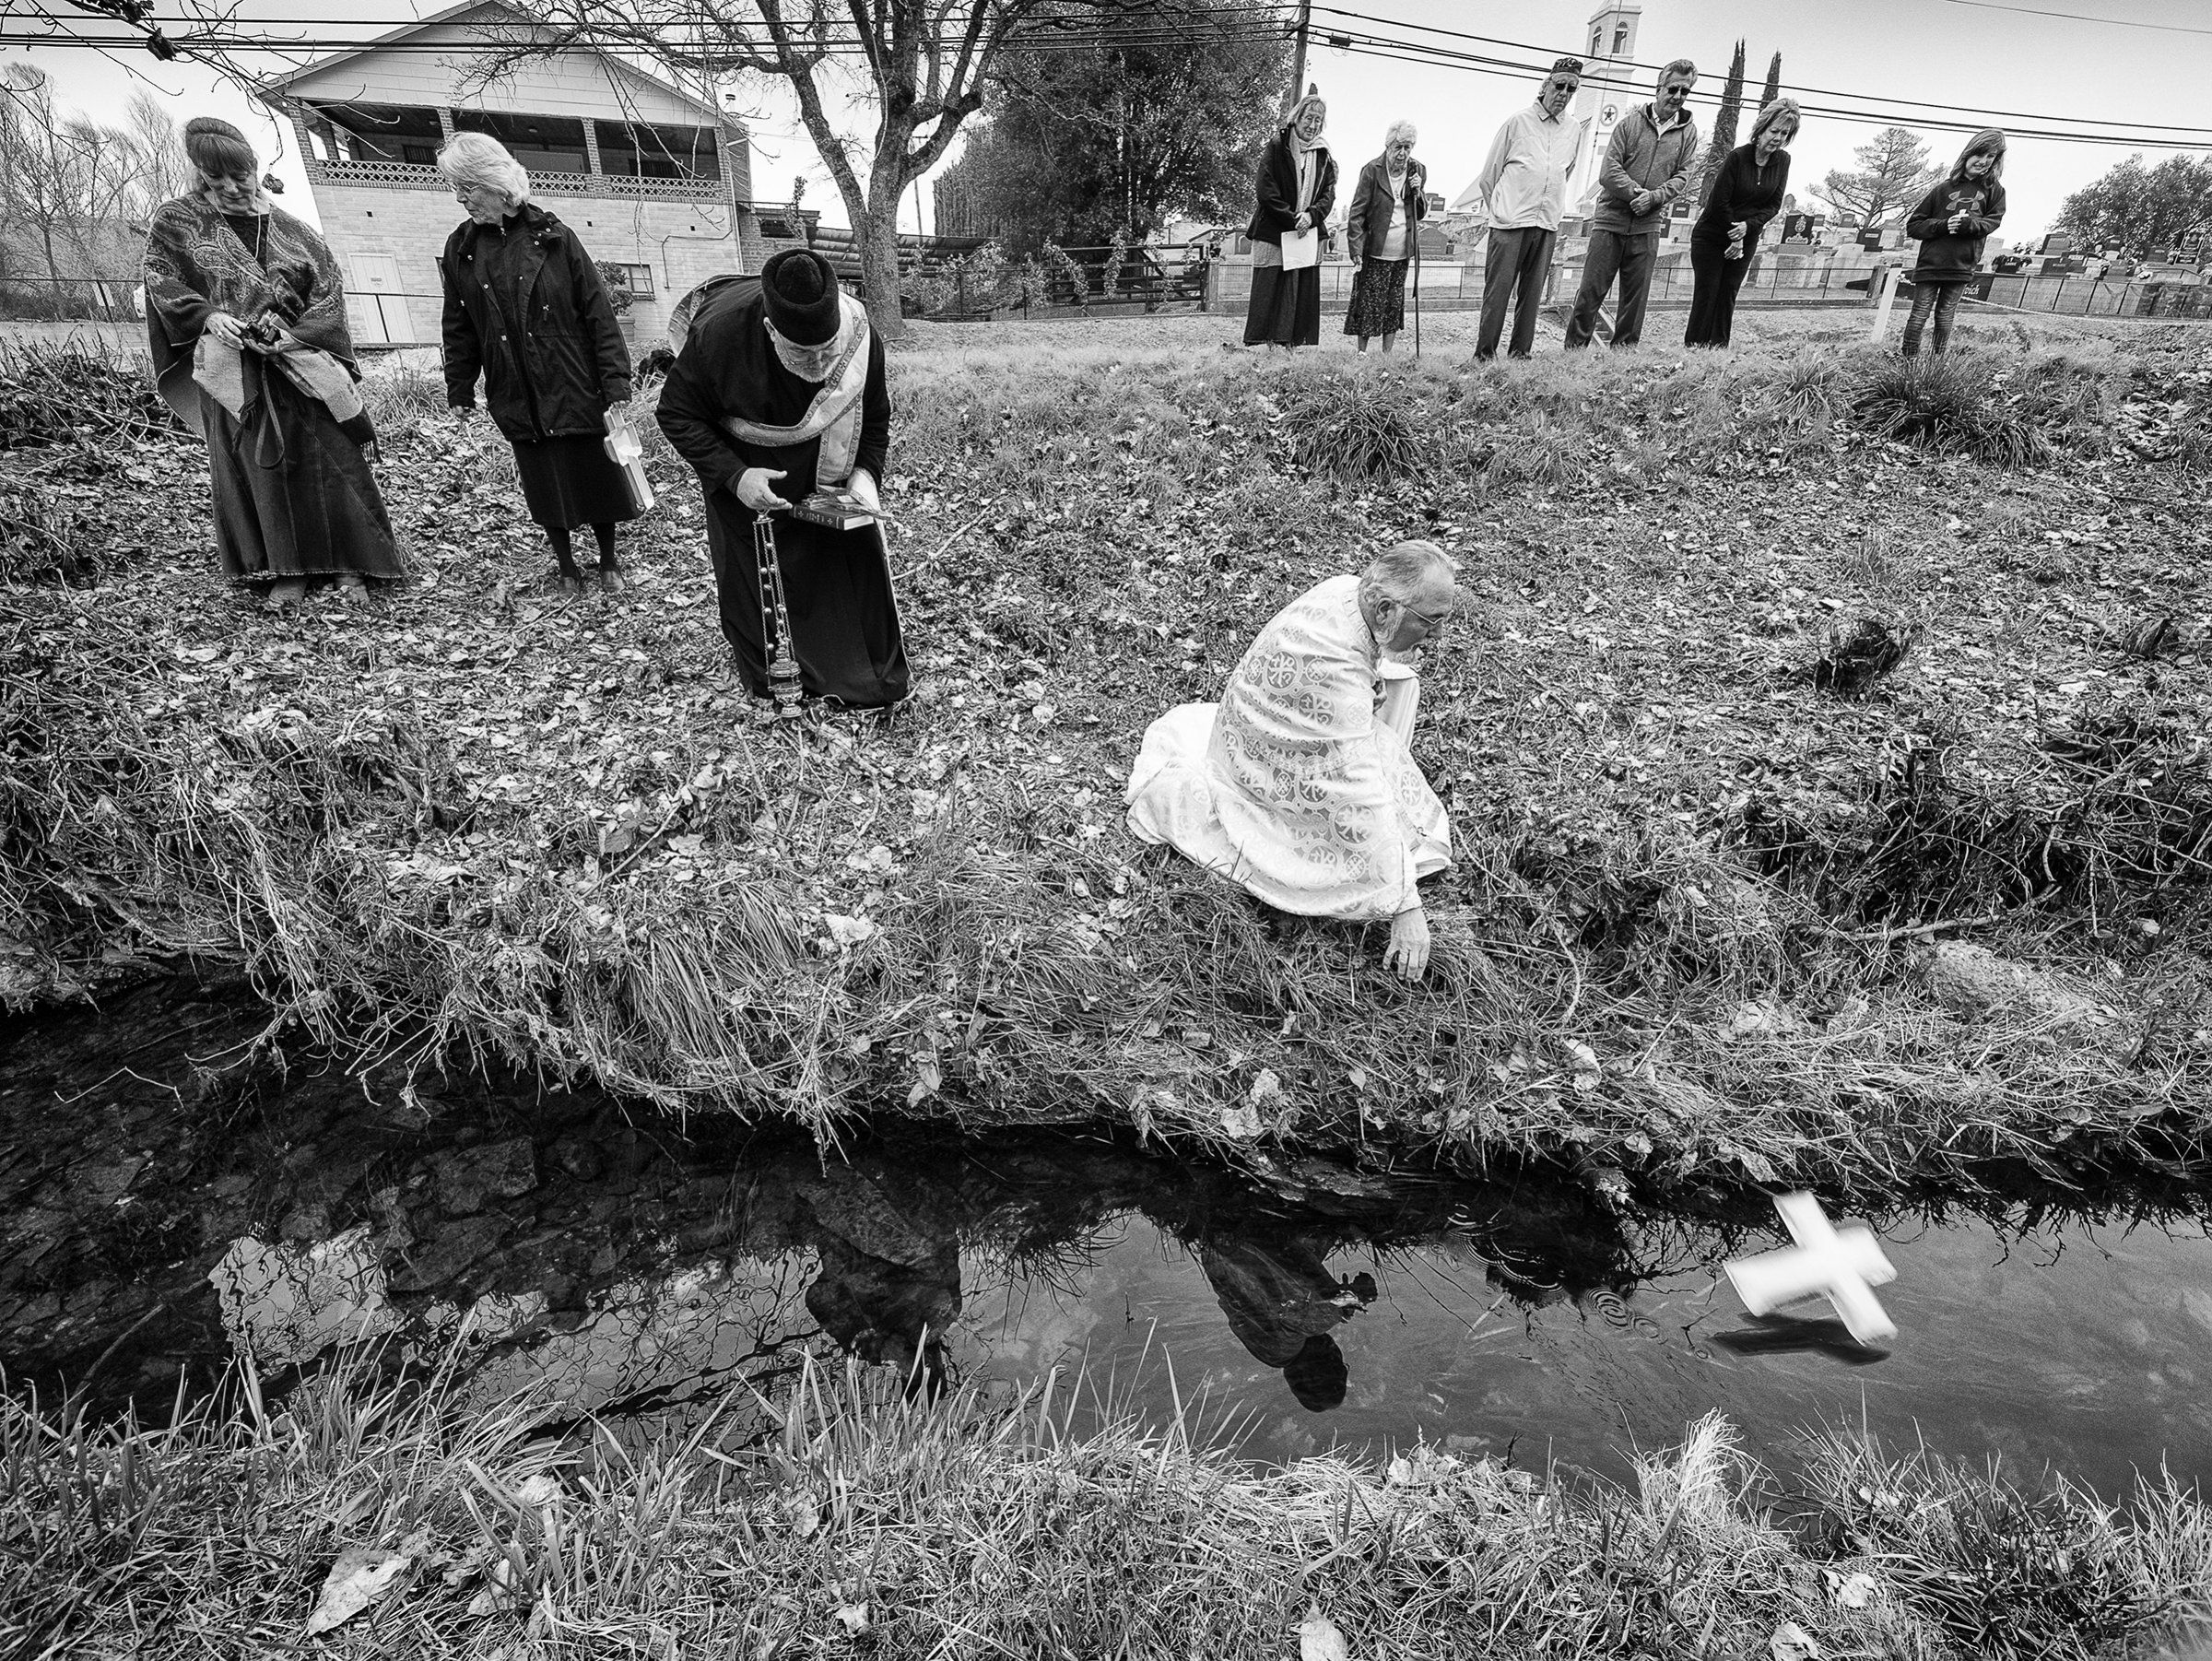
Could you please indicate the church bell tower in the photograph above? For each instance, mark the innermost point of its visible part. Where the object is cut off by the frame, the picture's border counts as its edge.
(1609, 91)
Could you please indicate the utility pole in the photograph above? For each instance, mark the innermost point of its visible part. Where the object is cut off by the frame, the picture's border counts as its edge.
(1298, 61)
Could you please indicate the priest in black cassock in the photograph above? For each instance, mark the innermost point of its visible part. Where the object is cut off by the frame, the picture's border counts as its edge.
(779, 389)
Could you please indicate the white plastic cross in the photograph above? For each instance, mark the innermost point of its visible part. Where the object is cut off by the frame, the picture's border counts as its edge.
(1841, 1265)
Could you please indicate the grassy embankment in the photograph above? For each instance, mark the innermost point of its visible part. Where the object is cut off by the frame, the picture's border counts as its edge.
(853, 1523)
(1710, 921)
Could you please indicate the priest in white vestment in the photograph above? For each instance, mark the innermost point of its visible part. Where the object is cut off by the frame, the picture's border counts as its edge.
(1297, 785)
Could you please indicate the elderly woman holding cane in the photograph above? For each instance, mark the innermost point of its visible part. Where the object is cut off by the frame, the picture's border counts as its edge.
(1297, 186)
(1747, 193)
(246, 324)
(1380, 231)
(525, 308)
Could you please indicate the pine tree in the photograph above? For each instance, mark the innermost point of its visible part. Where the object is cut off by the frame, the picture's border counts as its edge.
(1772, 89)
(1723, 126)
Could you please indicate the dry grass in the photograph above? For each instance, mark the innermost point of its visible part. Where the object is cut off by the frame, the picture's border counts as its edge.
(847, 1517)
(1682, 935)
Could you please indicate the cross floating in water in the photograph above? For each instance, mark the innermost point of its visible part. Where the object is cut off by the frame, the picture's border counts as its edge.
(1841, 1265)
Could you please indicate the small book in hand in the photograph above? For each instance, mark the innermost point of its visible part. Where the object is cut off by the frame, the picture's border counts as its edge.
(839, 510)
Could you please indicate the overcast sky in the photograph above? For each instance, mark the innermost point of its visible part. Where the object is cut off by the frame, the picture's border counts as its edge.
(1948, 52)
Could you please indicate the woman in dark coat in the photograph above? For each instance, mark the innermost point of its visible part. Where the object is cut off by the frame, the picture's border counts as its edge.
(246, 323)
(1748, 193)
(1380, 233)
(1297, 187)
(1950, 223)
(778, 390)
(526, 306)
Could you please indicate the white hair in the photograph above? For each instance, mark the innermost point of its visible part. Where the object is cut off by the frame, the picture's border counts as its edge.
(1400, 129)
(1398, 571)
(479, 158)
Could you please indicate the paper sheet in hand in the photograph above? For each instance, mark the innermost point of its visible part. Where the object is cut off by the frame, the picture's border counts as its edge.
(1300, 249)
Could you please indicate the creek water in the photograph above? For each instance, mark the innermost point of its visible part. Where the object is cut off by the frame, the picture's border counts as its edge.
(162, 1200)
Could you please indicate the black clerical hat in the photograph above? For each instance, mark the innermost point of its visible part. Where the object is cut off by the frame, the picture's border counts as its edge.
(800, 289)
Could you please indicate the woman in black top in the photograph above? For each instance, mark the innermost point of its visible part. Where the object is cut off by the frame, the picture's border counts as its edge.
(1951, 225)
(526, 306)
(1297, 187)
(1746, 194)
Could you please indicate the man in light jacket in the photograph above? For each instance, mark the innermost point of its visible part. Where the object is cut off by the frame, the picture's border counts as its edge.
(1524, 181)
(1649, 162)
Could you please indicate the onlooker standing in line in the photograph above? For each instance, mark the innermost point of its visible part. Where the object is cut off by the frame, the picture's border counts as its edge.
(1380, 233)
(1297, 187)
(1524, 181)
(1747, 193)
(1649, 161)
(1952, 222)
(245, 318)
(526, 306)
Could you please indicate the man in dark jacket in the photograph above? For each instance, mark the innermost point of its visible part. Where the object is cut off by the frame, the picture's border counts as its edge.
(778, 391)
(1649, 162)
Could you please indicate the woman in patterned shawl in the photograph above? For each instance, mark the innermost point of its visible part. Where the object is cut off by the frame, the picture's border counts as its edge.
(246, 320)
(1299, 786)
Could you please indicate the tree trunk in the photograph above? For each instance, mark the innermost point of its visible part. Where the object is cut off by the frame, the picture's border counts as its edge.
(878, 238)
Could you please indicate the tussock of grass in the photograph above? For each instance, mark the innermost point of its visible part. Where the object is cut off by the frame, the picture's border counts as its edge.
(848, 1516)
(1675, 940)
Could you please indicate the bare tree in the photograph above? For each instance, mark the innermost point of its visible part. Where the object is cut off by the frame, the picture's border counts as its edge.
(43, 175)
(923, 65)
(163, 171)
(1893, 173)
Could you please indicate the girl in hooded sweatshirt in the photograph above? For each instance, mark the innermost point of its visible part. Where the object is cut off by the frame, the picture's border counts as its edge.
(1951, 223)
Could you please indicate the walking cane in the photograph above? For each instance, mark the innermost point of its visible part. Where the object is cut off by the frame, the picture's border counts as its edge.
(1416, 274)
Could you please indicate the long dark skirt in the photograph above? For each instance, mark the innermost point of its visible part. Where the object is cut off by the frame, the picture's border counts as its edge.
(294, 497)
(1378, 298)
(1713, 301)
(569, 481)
(837, 585)
(1286, 307)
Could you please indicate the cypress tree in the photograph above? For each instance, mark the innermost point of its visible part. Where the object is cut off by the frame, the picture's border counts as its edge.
(1772, 89)
(1723, 126)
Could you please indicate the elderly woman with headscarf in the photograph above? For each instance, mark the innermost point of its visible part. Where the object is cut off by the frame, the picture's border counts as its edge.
(1379, 231)
(246, 323)
(525, 308)
(1951, 224)
(778, 391)
(1747, 193)
(1297, 187)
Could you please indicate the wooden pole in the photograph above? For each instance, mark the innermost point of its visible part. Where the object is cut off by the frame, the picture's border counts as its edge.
(1298, 59)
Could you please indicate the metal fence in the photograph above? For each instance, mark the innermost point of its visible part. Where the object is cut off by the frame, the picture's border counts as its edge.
(1448, 286)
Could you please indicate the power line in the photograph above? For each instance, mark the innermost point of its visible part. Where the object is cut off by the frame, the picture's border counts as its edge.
(1870, 97)
(1388, 48)
(2031, 11)
(1475, 64)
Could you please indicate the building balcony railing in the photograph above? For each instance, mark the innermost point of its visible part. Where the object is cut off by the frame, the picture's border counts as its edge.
(405, 175)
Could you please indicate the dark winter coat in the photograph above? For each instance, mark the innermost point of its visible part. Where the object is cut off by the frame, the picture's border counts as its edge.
(1745, 194)
(1277, 187)
(729, 367)
(1371, 208)
(1944, 258)
(525, 308)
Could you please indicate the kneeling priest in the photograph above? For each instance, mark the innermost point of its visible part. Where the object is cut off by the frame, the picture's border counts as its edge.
(1297, 785)
(778, 391)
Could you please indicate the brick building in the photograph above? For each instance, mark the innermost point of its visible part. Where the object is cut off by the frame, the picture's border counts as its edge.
(654, 181)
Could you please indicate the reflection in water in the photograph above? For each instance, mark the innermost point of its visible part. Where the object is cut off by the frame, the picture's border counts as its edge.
(548, 1241)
